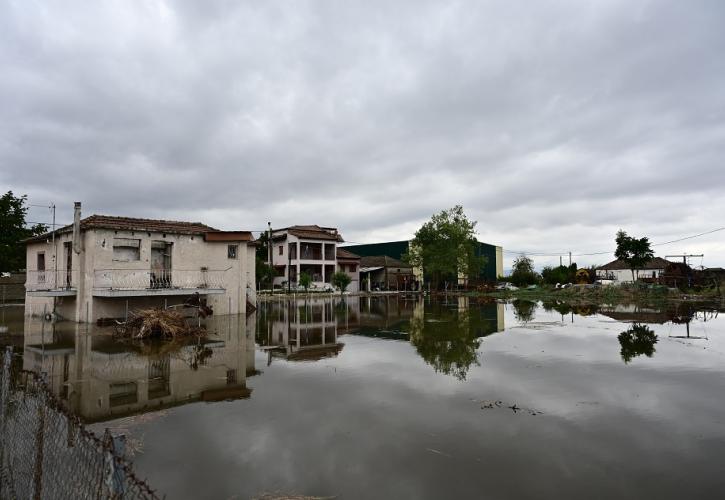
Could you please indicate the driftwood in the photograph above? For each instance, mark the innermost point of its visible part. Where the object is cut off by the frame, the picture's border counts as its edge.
(158, 323)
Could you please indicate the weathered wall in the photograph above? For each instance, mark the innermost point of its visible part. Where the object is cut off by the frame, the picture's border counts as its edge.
(188, 253)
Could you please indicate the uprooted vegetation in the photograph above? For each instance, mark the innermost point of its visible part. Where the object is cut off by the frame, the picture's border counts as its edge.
(158, 324)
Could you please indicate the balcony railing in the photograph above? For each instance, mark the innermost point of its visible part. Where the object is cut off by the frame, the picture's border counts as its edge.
(130, 279)
(51, 279)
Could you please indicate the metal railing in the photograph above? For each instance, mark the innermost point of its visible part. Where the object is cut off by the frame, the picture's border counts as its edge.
(136, 279)
(51, 279)
(47, 453)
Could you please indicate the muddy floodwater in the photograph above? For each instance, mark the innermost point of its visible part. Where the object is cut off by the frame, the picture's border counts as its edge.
(393, 397)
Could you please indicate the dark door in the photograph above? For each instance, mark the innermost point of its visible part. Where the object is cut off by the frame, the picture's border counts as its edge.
(160, 264)
(68, 247)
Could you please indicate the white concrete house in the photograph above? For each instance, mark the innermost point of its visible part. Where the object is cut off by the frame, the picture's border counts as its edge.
(349, 263)
(104, 266)
(310, 249)
(618, 272)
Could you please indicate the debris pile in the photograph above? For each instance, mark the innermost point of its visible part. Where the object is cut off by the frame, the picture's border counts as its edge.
(158, 323)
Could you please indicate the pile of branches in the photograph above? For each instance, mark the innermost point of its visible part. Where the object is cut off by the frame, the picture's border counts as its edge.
(158, 323)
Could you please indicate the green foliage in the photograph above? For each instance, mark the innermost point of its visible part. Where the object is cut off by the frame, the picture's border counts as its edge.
(305, 280)
(559, 274)
(13, 229)
(341, 280)
(446, 246)
(265, 273)
(523, 273)
(635, 252)
(263, 247)
(638, 340)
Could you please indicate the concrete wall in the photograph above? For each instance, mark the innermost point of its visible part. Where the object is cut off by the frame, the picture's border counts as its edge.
(625, 275)
(188, 253)
(283, 260)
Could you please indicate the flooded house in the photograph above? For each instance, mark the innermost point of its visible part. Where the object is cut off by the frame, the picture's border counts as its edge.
(349, 263)
(103, 266)
(306, 249)
(619, 272)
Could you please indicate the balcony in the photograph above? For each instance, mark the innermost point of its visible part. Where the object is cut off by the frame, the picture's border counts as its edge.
(52, 283)
(137, 283)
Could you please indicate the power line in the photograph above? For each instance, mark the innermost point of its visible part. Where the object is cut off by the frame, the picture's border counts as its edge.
(591, 254)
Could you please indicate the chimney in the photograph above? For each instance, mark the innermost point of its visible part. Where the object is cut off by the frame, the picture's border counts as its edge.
(77, 227)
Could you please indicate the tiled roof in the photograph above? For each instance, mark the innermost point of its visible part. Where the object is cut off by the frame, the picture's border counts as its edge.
(344, 254)
(313, 232)
(134, 224)
(382, 261)
(656, 263)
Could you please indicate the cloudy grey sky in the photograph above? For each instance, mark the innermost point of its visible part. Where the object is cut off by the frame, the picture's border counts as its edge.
(553, 123)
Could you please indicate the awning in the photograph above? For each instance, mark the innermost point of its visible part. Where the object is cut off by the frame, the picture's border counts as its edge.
(368, 269)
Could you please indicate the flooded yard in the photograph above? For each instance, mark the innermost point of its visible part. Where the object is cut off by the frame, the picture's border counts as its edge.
(391, 397)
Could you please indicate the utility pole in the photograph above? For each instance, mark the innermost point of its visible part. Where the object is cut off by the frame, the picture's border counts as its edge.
(269, 253)
(569, 259)
(560, 262)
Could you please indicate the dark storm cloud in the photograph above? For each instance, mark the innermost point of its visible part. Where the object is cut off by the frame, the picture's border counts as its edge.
(553, 124)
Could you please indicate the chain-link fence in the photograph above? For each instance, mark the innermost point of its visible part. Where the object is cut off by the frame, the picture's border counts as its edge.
(46, 452)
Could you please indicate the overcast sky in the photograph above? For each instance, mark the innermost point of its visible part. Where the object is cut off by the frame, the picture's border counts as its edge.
(553, 123)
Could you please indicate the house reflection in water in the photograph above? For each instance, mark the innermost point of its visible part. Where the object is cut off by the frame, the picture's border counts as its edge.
(299, 330)
(101, 379)
(309, 329)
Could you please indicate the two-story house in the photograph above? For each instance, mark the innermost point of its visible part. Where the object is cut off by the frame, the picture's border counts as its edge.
(103, 266)
(305, 249)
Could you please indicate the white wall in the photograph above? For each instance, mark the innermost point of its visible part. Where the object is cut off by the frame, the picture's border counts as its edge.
(188, 253)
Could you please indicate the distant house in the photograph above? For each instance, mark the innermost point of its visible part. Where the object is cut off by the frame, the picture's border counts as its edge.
(619, 272)
(102, 266)
(305, 249)
(396, 249)
(349, 263)
(380, 272)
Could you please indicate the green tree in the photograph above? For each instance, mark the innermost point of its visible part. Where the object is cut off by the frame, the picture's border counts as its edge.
(265, 273)
(341, 280)
(305, 280)
(446, 246)
(635, 252)
(13, 229)
(559, 274)
(523, 273)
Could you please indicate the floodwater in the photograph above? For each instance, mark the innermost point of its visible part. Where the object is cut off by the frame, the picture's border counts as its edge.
(390, 397)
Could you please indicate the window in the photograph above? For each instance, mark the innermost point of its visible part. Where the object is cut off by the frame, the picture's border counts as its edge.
(126, 249)
(41, 261)
(232, 251)
(293, 251)
(281, 250)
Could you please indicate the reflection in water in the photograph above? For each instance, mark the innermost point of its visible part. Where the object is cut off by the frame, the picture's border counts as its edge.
(445, 334)
(524, 310)
(100, 379)
(304, 330)
(637, 340)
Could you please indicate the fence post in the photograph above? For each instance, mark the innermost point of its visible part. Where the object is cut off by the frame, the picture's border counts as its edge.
(115, 475)
(4, 395)
(37, 487)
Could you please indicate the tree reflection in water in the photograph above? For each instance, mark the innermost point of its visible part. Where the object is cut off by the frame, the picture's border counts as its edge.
(524, 310)
(635, 341)
(448, 341)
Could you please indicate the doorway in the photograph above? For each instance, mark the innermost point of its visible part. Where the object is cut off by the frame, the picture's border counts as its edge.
(68, 248)
(160, 264)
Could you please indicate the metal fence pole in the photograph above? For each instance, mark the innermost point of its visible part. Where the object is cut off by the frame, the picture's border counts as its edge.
(37, 487)
(4, 394)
